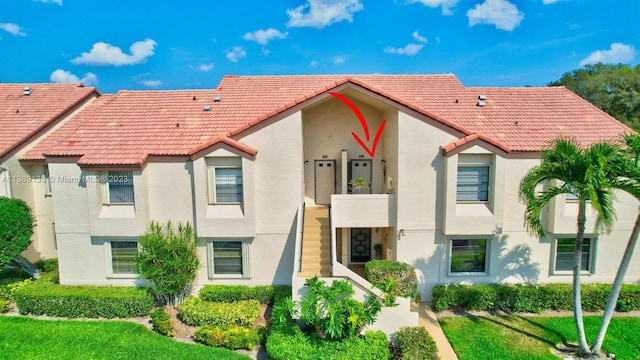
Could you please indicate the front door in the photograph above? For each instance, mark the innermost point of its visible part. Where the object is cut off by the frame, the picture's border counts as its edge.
(325, 173)
(360, 245)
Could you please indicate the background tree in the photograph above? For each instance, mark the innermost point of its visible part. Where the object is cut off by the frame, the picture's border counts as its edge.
(16, 228)
(590, 174)
(613, 88)
(168, 260)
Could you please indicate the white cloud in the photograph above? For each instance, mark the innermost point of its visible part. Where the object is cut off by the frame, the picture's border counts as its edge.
(501, 13)
(339, 60)
(619, 53)
(236, 53)
(321, 13)
(13, 29)
(263, 37)
(63, 76)
(446, 4)
(151, 83)
(59, 2)
(314, 64)
(205, 67)
(409, 50)
(103, 54)
(419, 37)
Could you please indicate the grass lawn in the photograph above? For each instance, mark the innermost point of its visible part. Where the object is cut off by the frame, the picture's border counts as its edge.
(530, 338)
(26, 338)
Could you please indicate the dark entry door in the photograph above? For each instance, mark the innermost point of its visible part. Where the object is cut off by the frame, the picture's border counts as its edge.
(360, 245)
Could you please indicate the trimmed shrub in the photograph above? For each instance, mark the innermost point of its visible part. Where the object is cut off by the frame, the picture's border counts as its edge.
(42, 297)
(16, 228)
(228, 336)
(161, 322)
(629, 299)
(231, 293)
(5, 299)
(197, 312)
(415, 343)
(403, 276)
(47, 265)
(531, 298)
(294, 344)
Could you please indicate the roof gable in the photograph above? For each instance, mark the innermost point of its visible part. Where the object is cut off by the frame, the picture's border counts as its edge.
(25, 115)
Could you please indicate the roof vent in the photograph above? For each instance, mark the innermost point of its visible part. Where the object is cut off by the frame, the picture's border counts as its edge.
(207, 108)
(217, 98)
(481, 103)
(27, 91)
(482, 97)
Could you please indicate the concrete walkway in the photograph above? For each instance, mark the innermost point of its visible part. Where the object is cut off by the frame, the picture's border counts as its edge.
(428, 319)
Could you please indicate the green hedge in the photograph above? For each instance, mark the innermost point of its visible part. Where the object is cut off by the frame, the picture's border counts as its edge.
(377, 272)
(230, 293)
(531, 298)
(228, 336)
(161, 322)
(415, 343)
(42, 297)
(197, 312)
(293, 344)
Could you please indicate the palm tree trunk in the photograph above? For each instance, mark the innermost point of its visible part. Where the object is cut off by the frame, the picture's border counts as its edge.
(617, 284)
(577, 268)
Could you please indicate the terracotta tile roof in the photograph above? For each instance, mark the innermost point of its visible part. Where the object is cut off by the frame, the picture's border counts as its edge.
(23, 116)
(128, 127)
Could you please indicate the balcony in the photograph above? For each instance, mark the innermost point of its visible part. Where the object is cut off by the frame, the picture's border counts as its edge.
(363, 210)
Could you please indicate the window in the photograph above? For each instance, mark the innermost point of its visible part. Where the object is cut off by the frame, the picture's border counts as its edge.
(229, 258)
(564, 254)
(119, 187)
(227, 185)
(123, 257)
(473, 183)
(468, 256)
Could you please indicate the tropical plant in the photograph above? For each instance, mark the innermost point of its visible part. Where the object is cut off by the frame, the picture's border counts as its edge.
(16, 228)
(356, 184)
(332, 312)
(168, 260)
(591, 174)
(632, 142)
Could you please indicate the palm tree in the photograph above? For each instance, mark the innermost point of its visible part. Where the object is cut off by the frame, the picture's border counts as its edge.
(633, 147)
(591, 174)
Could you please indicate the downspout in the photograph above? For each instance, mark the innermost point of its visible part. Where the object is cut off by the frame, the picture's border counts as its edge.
(8, 180)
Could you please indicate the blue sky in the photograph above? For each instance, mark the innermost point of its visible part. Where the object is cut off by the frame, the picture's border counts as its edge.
(161, 44)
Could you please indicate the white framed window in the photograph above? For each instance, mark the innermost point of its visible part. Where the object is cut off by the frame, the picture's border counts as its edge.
(230, 258)
(563, 255)
(118, 188)
(225, 180)
(121, 255)
(473, 178)
(469, 256)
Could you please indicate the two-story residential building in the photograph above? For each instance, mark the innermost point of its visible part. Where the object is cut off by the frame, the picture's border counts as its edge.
(28, 113)
(444, 162)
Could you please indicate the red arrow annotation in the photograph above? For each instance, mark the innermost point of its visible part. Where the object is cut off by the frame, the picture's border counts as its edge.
(364, 124)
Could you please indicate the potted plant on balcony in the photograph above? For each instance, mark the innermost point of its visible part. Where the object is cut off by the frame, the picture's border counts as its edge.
(356, 185)
(378, 251)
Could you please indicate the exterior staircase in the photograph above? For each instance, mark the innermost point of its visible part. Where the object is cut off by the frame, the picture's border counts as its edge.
(316, 246)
